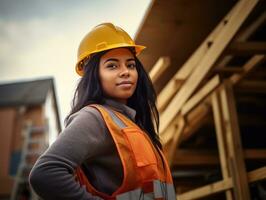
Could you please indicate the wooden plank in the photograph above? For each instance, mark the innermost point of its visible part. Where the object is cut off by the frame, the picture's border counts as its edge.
(220, 186)
(174, 84)
(175, 140)
(248, 31)
(160, 66)
(246, 48)
(233, 143)
(170, 131)
(217, 112)
(196, 57)
(186, 157)
(199, 157)
(220, 132)
(255, 154)
(167, 93)
(195, 119)
(206, 190)
(254, 86)
(206, 63)
(202, 93)
(258, 174)
(243, 36)
(223, 62)
(229, 69)
(250, 65)
(197, 116)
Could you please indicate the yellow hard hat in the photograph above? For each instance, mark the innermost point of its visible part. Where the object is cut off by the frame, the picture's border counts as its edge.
(103, 37)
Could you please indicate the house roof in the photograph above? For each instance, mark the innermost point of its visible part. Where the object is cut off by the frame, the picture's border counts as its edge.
(28, 93)
(25, 93)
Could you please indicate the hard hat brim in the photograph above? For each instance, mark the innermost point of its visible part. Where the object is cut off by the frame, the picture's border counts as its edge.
(85, 55)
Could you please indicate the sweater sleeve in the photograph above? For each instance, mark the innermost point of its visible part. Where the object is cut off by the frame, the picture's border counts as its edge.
(52, 175)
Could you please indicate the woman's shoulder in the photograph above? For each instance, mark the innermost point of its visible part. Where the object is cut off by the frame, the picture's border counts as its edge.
(87, 114)
(91, 110)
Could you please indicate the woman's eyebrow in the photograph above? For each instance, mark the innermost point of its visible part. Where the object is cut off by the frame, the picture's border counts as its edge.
(130, 59)
(111, 59)
(114, 59)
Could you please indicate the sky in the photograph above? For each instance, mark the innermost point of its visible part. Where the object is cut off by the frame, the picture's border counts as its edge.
(39, 39)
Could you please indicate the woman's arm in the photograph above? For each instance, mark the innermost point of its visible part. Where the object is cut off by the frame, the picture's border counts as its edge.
(52, 175)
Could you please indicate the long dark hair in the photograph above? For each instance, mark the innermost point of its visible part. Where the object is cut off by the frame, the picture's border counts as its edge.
(143, 101)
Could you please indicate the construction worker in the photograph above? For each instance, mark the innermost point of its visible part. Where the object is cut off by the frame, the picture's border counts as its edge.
(110, 148)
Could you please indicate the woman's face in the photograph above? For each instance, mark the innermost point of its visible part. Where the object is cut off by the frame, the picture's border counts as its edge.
(118, 74)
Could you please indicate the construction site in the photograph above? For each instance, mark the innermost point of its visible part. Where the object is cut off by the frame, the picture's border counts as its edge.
(207, 62)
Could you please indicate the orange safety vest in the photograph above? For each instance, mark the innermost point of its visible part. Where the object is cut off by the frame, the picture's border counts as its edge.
(144, 174)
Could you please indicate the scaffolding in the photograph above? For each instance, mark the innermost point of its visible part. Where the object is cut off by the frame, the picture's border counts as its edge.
(34, 144)
(227, 69)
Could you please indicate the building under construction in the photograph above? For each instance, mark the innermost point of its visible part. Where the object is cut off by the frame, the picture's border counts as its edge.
(207, 62)
(29, 119)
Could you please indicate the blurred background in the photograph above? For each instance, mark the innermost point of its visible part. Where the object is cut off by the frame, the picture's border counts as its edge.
(206, 60)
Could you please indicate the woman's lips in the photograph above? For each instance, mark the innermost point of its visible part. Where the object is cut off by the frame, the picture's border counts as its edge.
(125, 84)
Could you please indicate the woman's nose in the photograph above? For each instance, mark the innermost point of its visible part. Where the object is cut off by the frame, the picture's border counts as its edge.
(124, 71)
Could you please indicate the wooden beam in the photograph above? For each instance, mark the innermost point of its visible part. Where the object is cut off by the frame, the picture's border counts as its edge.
(243, 36)
(223, 62)
(244, 8)
(160, 66)
(217, 112)
(245, 119)
(170, 131)
(250, 65)
(190, 157)
(168, 92)
(246, 48)
(201, 94)
(183, 73)
(255, 154)
(199, 157)
(206, 190)
(220, 135)
(252, 86)
(210, 86)
(258, 174)
(233, 142)
(220, 186)
(229, 69)
(175, 141)
(195, 119)
(249, 30)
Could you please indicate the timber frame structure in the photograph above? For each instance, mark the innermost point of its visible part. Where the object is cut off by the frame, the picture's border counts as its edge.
(213, 109)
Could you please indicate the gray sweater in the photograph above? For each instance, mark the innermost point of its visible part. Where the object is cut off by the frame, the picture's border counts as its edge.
(85, 141)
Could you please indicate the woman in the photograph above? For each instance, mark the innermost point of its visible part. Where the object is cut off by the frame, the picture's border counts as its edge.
(109, 148)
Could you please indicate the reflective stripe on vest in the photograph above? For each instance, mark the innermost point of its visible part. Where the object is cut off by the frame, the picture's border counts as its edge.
(163, 190)
(160, 191)
(144, 175)
(135, 194)
(115, 119)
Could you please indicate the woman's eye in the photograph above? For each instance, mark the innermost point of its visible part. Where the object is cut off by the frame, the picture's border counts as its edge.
(111, 66)
(132, 65)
